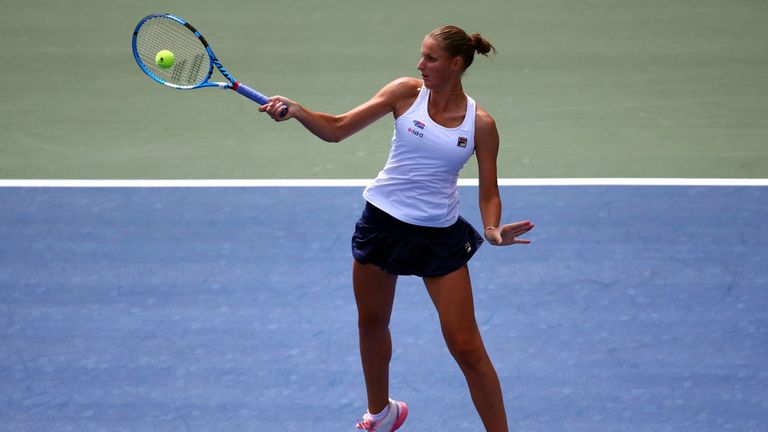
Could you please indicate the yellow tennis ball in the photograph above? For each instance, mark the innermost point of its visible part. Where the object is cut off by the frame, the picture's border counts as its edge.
(165, 59)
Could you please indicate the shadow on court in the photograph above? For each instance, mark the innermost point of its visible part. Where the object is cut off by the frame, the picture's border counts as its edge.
(635, 309)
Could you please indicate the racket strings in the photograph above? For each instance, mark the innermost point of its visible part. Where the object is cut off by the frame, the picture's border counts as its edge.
(190, 67)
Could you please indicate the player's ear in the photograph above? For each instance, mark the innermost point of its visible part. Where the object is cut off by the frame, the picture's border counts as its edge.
(457, 63)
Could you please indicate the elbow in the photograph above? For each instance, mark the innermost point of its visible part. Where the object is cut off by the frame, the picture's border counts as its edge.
(489, 190)
(336, 134)
(489, 197)
(332, 138)
(335, 137)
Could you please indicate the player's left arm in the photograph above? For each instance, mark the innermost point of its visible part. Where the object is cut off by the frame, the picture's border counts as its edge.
(486, 152)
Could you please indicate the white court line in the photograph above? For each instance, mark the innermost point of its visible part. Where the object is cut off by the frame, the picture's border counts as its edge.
(224, 183)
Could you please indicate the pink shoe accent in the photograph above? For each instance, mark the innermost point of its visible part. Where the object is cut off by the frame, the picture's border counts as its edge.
(369, 425)
(400, 418)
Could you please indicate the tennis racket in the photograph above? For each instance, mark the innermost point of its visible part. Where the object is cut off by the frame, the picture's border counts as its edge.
(194, 58)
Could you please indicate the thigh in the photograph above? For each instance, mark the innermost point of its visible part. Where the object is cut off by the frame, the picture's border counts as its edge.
(374, 292)
(452, 297)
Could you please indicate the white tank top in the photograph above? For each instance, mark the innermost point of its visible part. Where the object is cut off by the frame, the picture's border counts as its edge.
(418, 183)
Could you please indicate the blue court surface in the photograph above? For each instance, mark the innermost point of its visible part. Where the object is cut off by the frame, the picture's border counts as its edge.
(636, 308)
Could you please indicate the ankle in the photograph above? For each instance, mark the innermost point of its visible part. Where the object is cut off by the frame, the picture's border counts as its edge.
(379, 414)
(379, 410)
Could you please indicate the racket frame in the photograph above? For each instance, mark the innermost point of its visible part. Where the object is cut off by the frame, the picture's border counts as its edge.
(233, 84)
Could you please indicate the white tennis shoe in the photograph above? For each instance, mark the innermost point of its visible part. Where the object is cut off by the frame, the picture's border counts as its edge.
(395, 418)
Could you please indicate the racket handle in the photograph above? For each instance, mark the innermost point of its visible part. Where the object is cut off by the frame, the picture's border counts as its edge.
(254, 96)
(250, 93)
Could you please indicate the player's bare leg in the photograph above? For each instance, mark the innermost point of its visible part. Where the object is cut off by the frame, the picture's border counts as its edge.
(452, 296)
(374, 294)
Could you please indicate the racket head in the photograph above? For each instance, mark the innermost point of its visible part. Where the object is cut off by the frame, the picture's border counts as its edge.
(193, 64)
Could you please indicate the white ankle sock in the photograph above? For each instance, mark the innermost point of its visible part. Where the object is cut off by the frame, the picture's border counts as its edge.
(381, 415)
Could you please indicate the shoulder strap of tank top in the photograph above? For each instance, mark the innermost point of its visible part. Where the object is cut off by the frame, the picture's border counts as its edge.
(416, 106)
(423, 97)
(471, 111)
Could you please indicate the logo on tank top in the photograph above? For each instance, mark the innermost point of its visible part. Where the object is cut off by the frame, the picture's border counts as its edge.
(419, 125)
(462, 142)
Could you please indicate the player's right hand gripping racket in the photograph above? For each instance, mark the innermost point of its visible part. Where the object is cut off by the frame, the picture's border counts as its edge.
(194, 58)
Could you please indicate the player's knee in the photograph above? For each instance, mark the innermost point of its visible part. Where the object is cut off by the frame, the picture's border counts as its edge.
(372, 325)
(467, 348)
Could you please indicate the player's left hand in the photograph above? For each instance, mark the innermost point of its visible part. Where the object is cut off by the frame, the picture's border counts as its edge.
(508, 234)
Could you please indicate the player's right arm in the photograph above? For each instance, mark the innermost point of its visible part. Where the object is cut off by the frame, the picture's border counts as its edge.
(394, 97)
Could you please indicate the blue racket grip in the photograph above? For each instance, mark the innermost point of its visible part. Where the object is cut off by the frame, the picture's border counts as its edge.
(255, 96)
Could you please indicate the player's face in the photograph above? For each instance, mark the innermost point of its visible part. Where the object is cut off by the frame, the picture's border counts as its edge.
(437, 67)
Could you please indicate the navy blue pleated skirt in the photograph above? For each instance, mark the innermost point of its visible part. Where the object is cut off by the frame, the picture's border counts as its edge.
(401, 248)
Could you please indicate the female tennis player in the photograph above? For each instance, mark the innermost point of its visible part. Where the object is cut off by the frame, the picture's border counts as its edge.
(410, 224)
